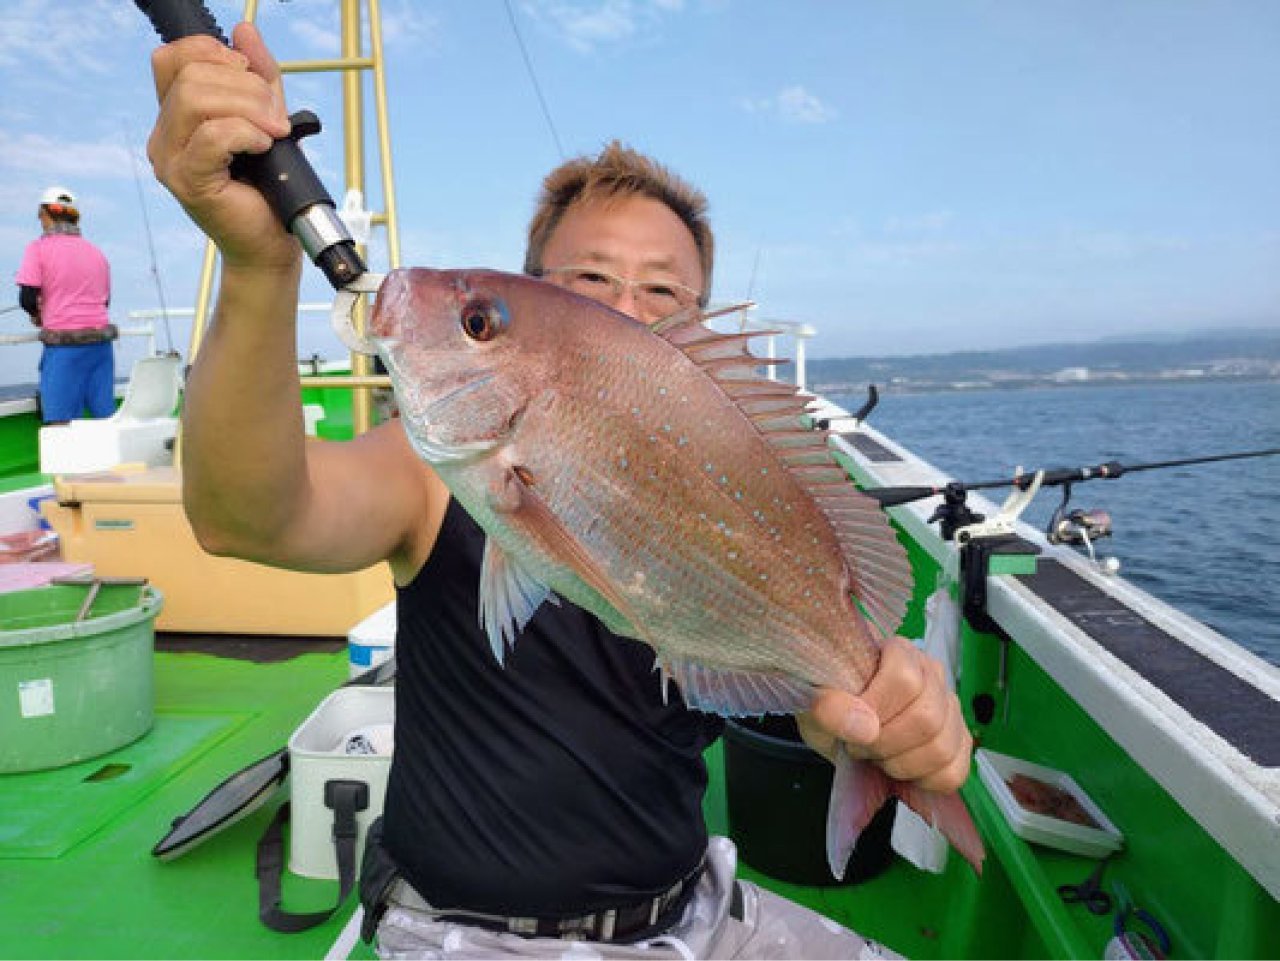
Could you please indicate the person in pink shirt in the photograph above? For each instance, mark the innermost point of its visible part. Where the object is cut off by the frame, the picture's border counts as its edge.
(64, 283)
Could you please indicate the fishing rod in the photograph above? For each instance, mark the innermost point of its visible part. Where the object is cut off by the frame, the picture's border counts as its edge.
(1057, 477)
(151, 245)
(1079, 527)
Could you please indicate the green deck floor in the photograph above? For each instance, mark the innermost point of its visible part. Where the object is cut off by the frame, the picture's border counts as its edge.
(78, 880)
(105, 896)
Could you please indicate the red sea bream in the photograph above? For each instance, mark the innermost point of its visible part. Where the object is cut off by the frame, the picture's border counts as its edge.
(651, 476)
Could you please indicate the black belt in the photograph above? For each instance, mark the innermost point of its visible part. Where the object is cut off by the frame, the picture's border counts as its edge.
(654, 915)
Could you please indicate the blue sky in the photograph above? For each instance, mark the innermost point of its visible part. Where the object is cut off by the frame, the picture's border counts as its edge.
(907, 177)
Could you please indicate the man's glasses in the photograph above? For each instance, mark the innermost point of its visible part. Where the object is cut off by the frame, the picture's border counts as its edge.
(655, 299)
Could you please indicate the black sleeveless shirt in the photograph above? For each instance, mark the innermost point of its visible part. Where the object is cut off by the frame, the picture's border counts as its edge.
(556, 785)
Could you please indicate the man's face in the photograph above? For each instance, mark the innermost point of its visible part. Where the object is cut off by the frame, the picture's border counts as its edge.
(633, 254)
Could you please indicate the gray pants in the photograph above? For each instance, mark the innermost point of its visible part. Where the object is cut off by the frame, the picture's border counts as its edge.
(770, 927)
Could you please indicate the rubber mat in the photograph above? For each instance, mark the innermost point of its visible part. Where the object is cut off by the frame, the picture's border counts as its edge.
(48, 812)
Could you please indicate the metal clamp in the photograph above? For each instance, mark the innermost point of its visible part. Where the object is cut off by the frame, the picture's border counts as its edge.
(344, 306)
(1002, 522)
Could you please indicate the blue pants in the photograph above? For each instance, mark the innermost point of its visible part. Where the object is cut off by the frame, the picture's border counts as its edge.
(75, 377)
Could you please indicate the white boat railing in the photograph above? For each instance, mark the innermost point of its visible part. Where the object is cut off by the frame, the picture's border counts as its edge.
(144, 328)
(142, 323)
(771, 329)
(146, 318)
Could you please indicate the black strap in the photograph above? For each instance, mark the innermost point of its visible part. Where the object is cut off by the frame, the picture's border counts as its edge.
(345, 798)
(377, 874)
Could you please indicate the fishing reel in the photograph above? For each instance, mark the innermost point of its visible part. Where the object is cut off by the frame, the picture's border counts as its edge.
(1080, 527)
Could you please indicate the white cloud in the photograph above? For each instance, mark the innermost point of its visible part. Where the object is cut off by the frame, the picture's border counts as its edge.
(317, 32)
(794, 104)
(1118, 245)
(65, 39)
(320, 38)
(54, 159)
(927, 223)
(585, 26)
(406, 25)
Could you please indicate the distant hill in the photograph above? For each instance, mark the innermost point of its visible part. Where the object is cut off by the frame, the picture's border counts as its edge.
(1220, 354)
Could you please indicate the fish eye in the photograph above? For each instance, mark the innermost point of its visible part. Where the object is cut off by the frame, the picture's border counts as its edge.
(483, 320)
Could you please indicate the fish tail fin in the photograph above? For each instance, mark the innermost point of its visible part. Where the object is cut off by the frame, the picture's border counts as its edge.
(947, 813)
(860, 788)
(858, 791)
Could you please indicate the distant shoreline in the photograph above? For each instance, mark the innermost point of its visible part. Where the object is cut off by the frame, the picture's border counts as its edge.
(1235, 358)
(971, 387)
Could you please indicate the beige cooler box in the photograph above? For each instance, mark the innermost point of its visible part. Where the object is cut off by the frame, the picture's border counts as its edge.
(130, 523)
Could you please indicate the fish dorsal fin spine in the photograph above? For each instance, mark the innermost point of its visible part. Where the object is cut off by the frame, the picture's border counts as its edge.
(877, 563)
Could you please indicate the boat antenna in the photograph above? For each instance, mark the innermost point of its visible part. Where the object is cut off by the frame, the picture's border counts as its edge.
(151, 246)
(1058, 477)
(533, 78)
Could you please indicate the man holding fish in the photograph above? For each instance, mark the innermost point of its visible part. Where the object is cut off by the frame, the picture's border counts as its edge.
(547, 782)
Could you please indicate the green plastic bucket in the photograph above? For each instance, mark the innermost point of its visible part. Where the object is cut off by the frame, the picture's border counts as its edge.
(74, 689)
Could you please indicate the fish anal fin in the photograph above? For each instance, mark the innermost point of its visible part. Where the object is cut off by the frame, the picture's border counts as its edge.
(736, 693)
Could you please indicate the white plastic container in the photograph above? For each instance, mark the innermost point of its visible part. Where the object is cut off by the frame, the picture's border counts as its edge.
(373, 640)
(318, 753)
(996, 770)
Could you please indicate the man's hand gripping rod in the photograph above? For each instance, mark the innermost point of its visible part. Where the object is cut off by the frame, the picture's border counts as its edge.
(286, 179)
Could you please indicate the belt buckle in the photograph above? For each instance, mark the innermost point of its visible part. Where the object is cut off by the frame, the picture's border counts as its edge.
(600, 926)
(605, 923)
(526, 927)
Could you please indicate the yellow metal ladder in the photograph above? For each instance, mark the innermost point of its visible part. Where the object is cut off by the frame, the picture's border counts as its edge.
(351, 63)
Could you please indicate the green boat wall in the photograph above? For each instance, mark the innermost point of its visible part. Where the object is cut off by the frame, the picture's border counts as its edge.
(1170, 865)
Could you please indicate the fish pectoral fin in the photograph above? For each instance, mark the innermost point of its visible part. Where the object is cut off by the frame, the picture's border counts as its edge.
(539, 524)
(731, 693)
(509, 596)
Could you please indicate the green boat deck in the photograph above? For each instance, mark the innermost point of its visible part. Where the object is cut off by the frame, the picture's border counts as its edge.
(75, 862)
(79, 879)
(79, 837)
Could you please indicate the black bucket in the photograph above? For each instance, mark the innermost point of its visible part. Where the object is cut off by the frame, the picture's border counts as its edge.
(778, 788)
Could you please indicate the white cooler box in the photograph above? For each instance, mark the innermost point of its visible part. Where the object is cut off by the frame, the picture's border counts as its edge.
(358, 718)
(372, 641)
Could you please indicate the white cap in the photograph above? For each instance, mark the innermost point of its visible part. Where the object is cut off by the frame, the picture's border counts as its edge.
(58, 195)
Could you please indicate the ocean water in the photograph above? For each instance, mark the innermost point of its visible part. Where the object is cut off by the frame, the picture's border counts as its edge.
(1203, 538)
